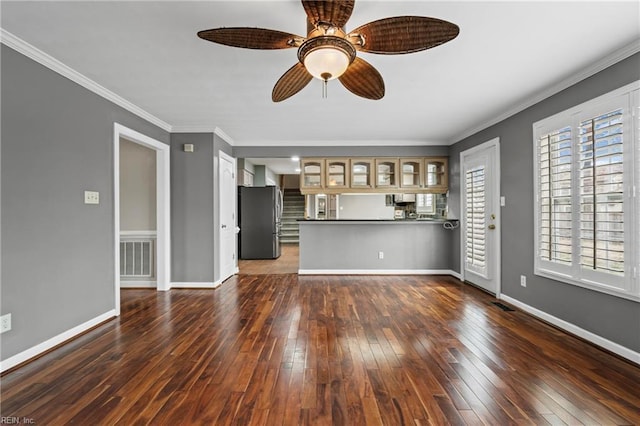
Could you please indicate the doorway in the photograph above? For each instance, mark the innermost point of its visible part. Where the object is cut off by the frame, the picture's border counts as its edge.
(163, 247)
(137, 215)
(480, 216)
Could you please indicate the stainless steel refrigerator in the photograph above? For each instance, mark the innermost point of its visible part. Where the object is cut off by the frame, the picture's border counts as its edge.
(259, 214)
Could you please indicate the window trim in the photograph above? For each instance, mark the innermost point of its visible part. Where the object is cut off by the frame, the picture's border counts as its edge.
(628, 98)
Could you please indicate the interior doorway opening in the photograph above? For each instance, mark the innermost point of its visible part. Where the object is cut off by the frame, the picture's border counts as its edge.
(162, 207)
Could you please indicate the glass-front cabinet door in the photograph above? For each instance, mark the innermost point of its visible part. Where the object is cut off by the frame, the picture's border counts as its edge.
(361, 173)
(386, 173)
(411, 172)
(312, 173)
(337, 173)
(436, 173)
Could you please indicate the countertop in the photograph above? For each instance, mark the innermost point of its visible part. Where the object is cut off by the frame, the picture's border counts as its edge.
(385, 221)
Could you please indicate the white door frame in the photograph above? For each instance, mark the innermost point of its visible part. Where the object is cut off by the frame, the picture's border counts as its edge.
(234, 206)
(497, 262)
(163, 207)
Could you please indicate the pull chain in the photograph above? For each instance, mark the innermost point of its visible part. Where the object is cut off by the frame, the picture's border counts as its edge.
(325, 77)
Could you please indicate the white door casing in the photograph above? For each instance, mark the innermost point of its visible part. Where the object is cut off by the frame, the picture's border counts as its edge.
(227, 213)
(480, 215)
(163, 206)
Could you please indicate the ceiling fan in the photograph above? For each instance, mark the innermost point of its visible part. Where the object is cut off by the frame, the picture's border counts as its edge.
(329, 51)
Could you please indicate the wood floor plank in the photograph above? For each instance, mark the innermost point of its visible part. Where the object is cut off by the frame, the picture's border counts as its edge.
(278, 349)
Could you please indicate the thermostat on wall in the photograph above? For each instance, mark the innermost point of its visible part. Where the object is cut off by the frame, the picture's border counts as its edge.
(187, 147)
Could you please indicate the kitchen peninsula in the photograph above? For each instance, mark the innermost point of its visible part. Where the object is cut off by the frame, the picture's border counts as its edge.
(364, 216)
(375, 246)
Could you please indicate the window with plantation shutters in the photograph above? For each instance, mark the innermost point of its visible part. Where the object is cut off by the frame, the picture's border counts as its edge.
(475, 238)
(587, 230)
(602, 193)
(554, 152)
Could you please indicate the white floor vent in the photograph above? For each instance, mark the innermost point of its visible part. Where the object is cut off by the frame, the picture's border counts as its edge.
(136, 258)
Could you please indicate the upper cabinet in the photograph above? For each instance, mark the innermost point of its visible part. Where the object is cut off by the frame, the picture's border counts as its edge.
(361, 173)
(411, 172)
(386, 172)
(380, 175)
(337, 173)
(437, 173)
(312, 173)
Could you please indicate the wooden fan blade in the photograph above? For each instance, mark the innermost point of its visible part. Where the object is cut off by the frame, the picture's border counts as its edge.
(250, 38)
(362, 79)
(291, 82)
(404, 34)
(335, 12)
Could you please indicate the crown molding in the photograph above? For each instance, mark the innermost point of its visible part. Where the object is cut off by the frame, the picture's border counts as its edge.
(218, 131)
(609, 60)
(55, 65)
(193, 129)
(205, 129)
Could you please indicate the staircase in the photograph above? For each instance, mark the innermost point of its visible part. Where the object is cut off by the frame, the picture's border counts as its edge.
(292, 210)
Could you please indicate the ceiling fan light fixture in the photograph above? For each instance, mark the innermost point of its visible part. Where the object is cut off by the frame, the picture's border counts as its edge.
(326, 57)
(326, 63)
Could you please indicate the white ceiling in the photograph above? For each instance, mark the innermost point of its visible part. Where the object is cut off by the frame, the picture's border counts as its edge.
(279, 166)
(508, 55)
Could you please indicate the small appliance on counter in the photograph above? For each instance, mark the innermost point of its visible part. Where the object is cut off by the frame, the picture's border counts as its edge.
(398, 214)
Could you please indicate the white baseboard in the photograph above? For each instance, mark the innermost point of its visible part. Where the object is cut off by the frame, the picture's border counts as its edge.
(54, 341)
(376, 272)
(574, 329)
(456, 275)
(138, 284)
(199, 284)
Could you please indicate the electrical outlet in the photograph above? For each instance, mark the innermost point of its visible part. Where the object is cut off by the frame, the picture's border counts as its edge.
(5, 323)
(523, 280)
(380, 255)
(91, 197)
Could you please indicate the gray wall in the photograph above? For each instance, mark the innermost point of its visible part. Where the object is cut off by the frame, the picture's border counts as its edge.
(192, 212)
(57, 253)
(259, 175)
(264, 176)
(244, 164)
(137, 187)
(195, 207)
(355, 245)
(610, 317)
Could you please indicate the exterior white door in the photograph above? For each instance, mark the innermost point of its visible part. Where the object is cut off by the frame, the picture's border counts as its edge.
(227, 212)
(480, 216)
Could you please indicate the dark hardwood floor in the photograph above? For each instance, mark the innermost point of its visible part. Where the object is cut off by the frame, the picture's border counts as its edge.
(349, 350)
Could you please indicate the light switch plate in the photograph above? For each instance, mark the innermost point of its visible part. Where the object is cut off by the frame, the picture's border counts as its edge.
(91, 197)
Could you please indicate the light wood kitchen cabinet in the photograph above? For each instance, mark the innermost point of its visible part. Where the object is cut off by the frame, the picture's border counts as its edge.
(382, 175)
(386, 172)
(411, 172)
(337, 173)
(312, 173)
(436, 173)
(361, 173)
